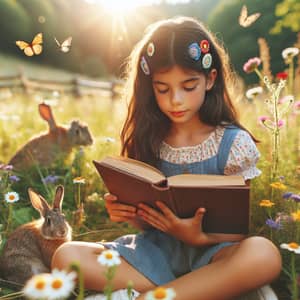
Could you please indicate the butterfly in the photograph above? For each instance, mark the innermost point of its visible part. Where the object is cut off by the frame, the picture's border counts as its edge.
(245, 20)
(33, 48)
(65, 45)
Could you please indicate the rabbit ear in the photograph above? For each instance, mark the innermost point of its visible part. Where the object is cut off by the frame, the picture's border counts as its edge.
(46, 114)
(59, 196)
(38, 202)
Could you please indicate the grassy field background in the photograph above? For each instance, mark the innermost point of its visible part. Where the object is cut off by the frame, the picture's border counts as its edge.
(20, 121)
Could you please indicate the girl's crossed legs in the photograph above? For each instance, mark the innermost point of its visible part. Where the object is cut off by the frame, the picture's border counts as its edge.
(234, 270)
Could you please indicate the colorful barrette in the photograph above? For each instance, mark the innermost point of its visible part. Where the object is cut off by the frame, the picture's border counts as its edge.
(207, 61)
(204, 46)
(144, 65)
(194, 51)
(150, 49)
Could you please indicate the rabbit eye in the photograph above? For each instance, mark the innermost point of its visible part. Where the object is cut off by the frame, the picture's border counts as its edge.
(48, 221)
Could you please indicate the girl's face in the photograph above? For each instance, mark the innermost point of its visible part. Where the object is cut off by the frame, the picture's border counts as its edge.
(180, 93)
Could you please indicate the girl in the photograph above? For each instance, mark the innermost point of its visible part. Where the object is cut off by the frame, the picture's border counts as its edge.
(180, 119)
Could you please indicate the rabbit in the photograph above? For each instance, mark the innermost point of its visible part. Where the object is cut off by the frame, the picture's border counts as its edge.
(29, 249)
(56, 144)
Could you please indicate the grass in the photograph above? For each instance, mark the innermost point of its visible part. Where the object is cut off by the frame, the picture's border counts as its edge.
(20, 121)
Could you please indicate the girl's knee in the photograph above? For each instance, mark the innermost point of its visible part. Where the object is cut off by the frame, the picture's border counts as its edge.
(63, 256)
(263, 255)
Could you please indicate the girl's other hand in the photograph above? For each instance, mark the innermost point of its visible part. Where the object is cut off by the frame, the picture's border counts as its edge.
(117, 211)
(188, 230)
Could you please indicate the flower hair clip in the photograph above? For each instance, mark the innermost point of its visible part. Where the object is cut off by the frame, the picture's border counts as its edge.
(144, 65)
(196, 50)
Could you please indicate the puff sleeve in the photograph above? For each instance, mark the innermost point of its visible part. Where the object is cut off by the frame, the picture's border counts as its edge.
(243, 157)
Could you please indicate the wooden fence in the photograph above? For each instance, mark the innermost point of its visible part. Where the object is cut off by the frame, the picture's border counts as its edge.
(77, 86)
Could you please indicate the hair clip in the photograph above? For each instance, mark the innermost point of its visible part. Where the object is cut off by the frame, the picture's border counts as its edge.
(144, 66)
(194, 51)
(207, 61)
(150, 49)
(204, 46)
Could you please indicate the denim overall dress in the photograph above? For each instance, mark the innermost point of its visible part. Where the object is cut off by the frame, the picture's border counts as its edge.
(160, 257)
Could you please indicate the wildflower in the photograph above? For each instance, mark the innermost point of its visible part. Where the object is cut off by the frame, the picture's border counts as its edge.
(280, 123)
(263, 118)
(254, 92)
(161, 293)
(6, 167)
(266, 203)
(289, 53)
(273, 224)
(50, 179)
(37, 286)
(296, 215)
(109, 258)
(61, 284)
(287, 195)
(295, 197)
(14, 178)
(293, 247)
(11, 197)
(283, 217)
(79, 180)
(251, 64)
(282, 75)
(278, 186)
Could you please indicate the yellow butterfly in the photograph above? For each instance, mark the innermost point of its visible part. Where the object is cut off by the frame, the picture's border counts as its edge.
(33, 48)
(245, 20)
(65, 45)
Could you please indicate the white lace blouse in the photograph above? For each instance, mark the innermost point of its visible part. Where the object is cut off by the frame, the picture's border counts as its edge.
(242, 158)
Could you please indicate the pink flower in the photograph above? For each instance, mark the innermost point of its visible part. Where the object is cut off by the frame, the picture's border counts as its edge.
(297, 105)
(280, 123)
(251, 64)
(263, 118)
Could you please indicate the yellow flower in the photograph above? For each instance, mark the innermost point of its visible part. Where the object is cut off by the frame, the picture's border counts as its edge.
(79, 180)
(266, 203)
(278, 186)
(296, 215)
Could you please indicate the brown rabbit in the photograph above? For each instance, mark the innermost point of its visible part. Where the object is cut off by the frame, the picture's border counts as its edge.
(29, 249)
(56, 144)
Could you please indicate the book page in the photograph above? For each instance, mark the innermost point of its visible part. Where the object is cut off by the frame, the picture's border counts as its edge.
(201, 180)
(134, 167)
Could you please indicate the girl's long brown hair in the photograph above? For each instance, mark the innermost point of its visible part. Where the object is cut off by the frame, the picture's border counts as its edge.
(146, 126)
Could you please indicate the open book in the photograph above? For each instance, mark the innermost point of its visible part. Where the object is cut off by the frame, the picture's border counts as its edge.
(225, 198)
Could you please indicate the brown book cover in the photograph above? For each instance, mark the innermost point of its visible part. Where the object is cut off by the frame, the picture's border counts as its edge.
(225, 198)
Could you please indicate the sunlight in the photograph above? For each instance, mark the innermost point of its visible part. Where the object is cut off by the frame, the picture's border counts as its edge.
(121, 7)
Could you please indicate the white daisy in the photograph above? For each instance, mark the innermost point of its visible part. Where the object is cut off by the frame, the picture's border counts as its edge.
(37, 287)
(79, 180)
(11, 197)
(61, 284)
(253, 92)
(293, 247)
(290, 52)
(109, 258)
(161, 293)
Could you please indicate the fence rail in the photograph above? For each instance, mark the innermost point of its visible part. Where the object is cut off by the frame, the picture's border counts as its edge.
(77, 86)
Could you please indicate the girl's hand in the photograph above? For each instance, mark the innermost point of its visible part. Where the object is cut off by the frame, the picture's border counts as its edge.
(117, 211)
(188, 230)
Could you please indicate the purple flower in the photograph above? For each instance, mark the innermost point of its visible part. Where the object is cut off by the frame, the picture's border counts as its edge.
(14, 178)
(50, 179)
(273, 224)
(287, 195)
(295, 197)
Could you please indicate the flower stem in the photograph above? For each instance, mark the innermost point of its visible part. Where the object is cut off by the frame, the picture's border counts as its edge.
(294, 278)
